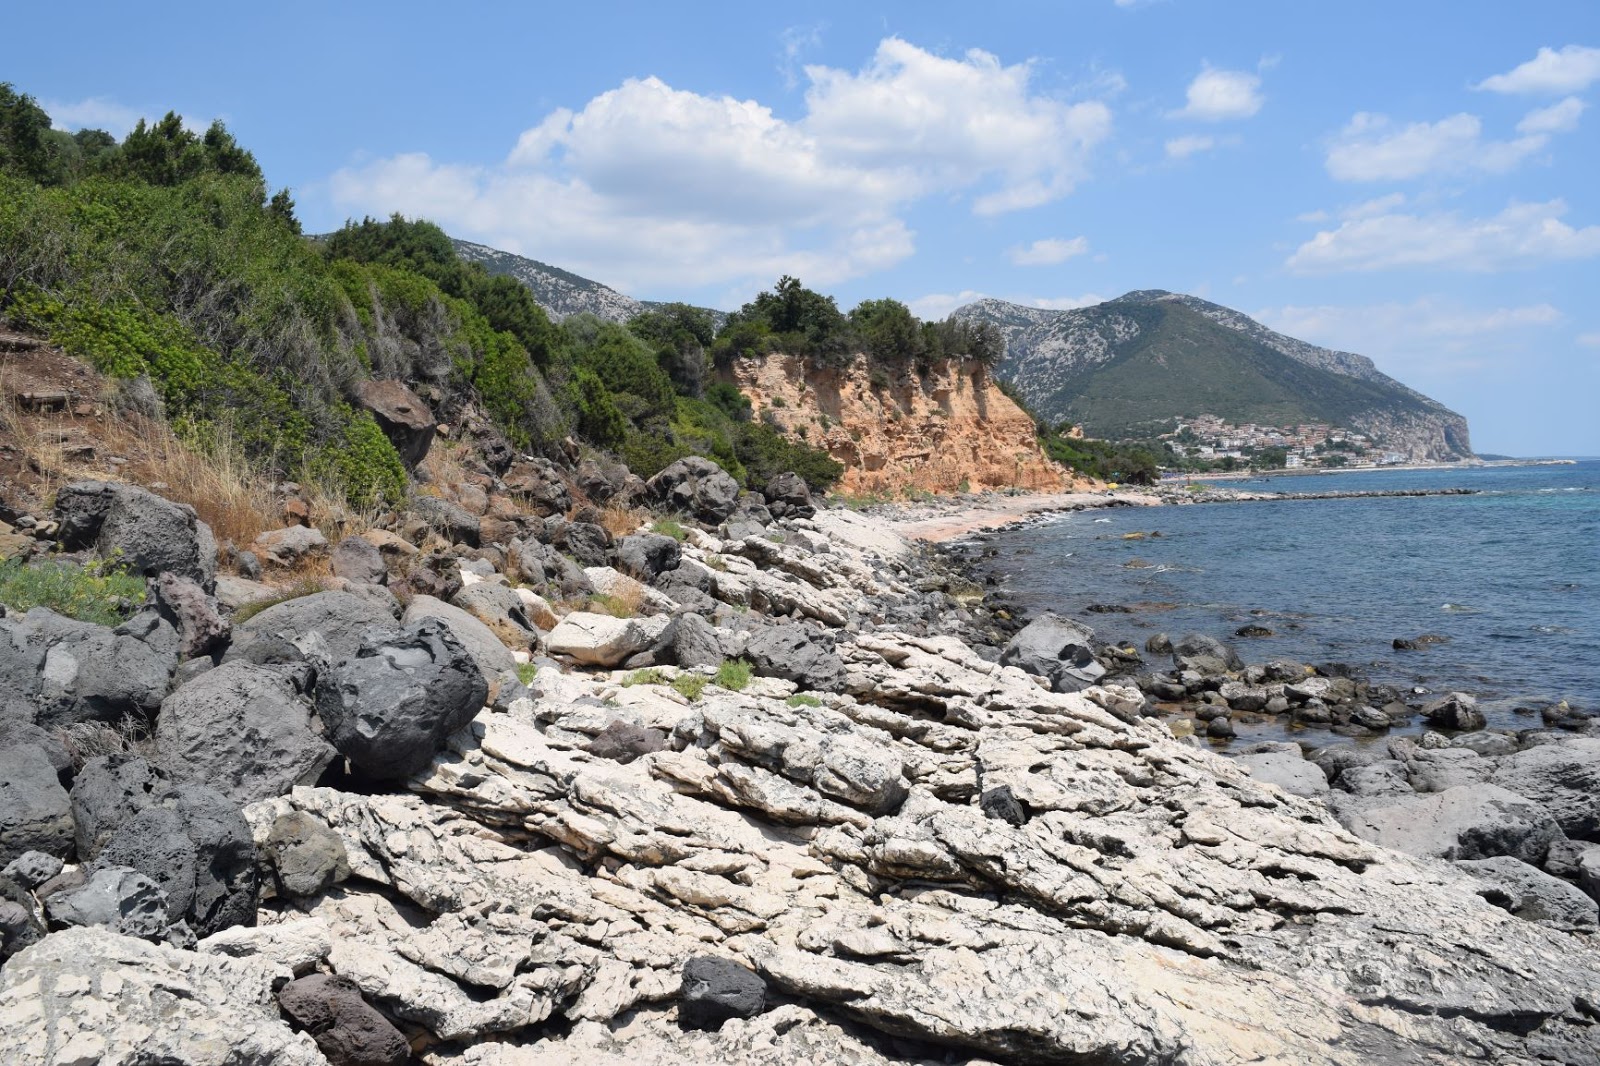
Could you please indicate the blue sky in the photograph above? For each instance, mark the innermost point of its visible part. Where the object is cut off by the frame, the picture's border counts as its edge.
(1413, 181)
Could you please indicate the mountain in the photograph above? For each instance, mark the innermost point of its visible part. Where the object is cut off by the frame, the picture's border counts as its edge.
(560, 292)
(1130, 366)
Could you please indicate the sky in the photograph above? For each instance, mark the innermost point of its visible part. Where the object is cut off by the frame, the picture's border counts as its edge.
(1412, 181)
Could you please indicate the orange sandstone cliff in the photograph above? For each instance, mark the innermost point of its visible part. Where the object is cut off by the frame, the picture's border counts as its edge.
(950, 430)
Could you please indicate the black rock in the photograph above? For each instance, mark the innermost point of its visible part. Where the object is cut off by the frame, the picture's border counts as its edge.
(624, 742)
(390, 707)
(788, 496)
(1455, 711)
(587, 542)
(347, 1029)
(143, 531)
(452, 521)
(999, 802)
(1205, 655)
(118, 898)
(35, 811)
(646, 556)
(797, 653)
(715, 990)
(696, 486)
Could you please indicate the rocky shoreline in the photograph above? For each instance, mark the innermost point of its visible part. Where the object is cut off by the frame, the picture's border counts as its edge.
(799, 792)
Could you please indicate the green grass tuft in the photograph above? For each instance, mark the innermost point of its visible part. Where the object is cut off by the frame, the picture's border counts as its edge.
(526, 672)
(733, 675)
(690, 686)
(649, 676)
(99, 591)
(801, 699)
(670, 527)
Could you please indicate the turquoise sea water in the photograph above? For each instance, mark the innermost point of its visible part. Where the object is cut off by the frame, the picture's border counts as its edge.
(1510, 574)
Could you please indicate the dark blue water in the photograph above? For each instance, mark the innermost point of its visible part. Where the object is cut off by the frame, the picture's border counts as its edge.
(1511, 575)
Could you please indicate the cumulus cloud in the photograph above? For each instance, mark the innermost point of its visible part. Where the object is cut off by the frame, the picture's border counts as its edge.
(937, 306)
(651, 185)
(1554, 71)
(1048, 252)
(1521, 235)
(1216, 95)
(94, 112)
(1427, 334)
(1184, 147)
(1557, 118)
(1373, 148)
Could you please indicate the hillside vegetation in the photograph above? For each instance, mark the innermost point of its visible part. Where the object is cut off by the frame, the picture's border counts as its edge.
(164, 257)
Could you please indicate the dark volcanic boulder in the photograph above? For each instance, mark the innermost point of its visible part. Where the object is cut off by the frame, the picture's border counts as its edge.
(537, 484)
(338, 619)
(118, 898)
(542, 566)
(788, 496)
(75, 671)
(1204, 655)
(358, 559)
(715, 990)
(451, 521)
(601, 480)
(647, 556)
(184, 604)
(35, 811)
(1456, 711)
(695, 642)
(389, 708)
(347, 1029)
(242, 730)
(586, 542)
(797, 653)
(696, 486)
(139, 529)
(624, 742)
(188, 839)
(402, 415)
(1057, 649)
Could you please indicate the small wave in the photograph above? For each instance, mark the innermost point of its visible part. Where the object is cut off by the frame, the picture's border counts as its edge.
(1551, 629)
(1097, 521)
(1458, 607)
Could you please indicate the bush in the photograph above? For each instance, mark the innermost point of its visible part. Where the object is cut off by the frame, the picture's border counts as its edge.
(801, 699)
(690, 686)
(100, 591)
(670, 527)
(526, 672)
(650, 676)
(733, 675)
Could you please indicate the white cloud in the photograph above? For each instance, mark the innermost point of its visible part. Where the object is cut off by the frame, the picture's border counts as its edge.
(796, 40)
(1521, 235)
(937, 306)
(1557, 118)
(95, 112)
(1567, 70)
(1590, 340)
(1184, 147)
(1048, 251)
(1215, 95)
(1429, 334)
(1063, 303)
(649, 185)
(1372, 148)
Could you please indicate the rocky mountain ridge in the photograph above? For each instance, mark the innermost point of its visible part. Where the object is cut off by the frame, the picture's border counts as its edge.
(1060, 360)
(560, 292)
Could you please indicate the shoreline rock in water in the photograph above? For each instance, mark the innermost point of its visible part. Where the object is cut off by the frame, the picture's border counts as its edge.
(881, 845)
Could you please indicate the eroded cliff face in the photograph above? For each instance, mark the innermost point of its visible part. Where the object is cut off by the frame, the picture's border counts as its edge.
(953, 427)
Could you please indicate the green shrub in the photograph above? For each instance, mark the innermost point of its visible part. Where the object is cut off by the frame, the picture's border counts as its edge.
(99, 591)
(526, 672)
(670, 527)
(365, 463)
(650, 676)
(801, 699)
(690, 686)
(733, 675)
(605, 603)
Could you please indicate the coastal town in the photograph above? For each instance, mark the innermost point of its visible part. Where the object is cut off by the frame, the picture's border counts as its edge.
(1209, 440)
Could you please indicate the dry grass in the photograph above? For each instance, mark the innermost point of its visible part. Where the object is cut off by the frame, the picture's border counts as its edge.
(620, 521)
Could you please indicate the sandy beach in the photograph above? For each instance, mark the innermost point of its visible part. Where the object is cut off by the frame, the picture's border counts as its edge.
(952, 519)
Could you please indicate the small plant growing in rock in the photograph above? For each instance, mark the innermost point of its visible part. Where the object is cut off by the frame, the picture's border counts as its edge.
(526, 672)
(100, 591)
(717, 562)
(647, 676)
(733, 675)
(670, 527)
(802, 699)
(690, 686)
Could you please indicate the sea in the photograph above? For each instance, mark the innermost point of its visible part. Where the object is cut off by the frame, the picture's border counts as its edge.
(1509, 575)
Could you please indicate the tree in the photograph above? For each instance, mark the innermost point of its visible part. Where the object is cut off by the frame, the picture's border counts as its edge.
(680, 334)
(889, 332)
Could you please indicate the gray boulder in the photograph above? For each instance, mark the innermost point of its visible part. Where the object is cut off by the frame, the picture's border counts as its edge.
(389, 708)
(538, 485)
(1532, 894)
(347, 1029)
(35, 811)
(242, 730)
(1457, 711)
(797, 653)
(20, 925)
(715, 990)
(646, 556)
(588, 543)
(403, 416)
(144, 532)
(451, 521)
(358, 559)
(17, 728)
(695, 642)
(32, 869)
(187, 838)
(500, 608)
(1562, 778)
(541, 565)
(601, 640)
(75, 671)
(624, 742)
(289, 545)
(492, 656)
(1284, 766)
(698, 487)
(1057, 649)
(117, 898)
(307, 858)
(788, 496)
(338, 619)
(1466, 822)
(1204, 655)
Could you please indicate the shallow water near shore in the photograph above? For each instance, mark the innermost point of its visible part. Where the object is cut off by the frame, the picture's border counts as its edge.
(1510, 575)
